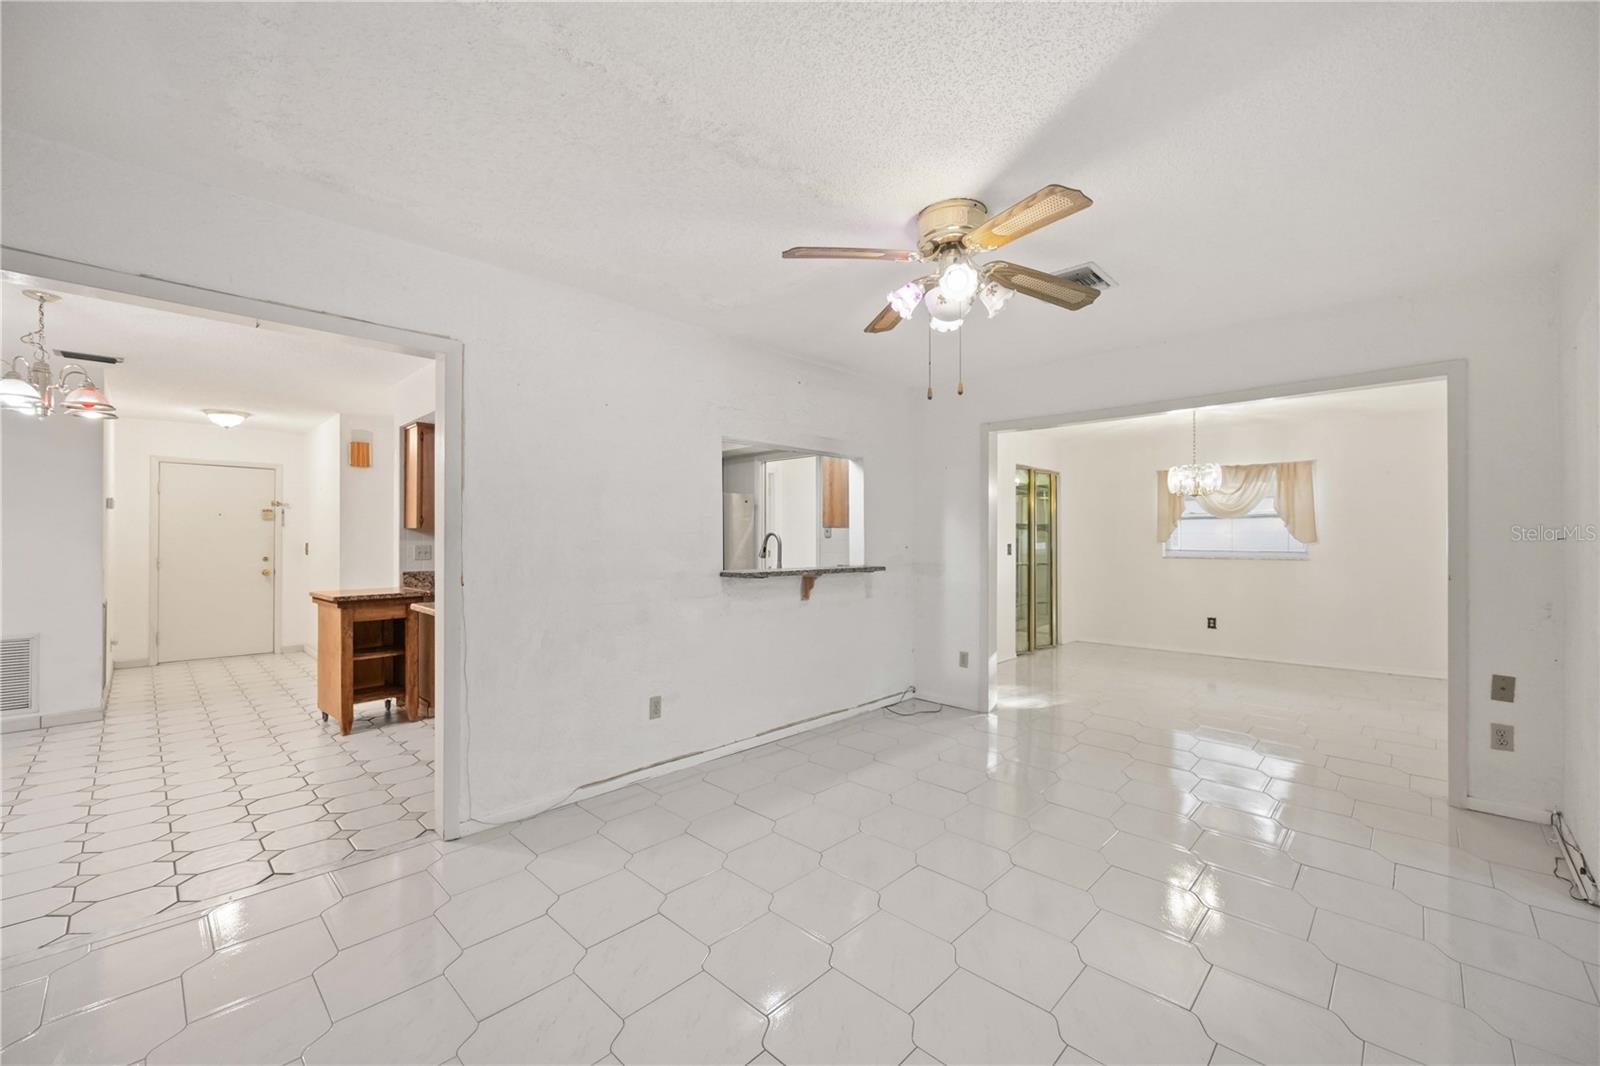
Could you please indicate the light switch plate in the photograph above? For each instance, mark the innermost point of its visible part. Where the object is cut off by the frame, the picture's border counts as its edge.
(1503, 687)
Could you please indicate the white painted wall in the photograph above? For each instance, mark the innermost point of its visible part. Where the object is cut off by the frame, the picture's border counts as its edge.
(369, 504)
(574, 406)
(133, 443)
(319, 546)
(1371, 595)
(1513, 459)
(1580, 555)
(791, 512)
(50, 553)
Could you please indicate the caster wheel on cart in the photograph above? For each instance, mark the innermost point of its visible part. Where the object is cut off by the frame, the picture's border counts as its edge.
(324, 716)
(388, 709)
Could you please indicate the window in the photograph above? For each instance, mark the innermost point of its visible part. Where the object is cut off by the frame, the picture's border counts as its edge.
(810, 504)
(1260, 534)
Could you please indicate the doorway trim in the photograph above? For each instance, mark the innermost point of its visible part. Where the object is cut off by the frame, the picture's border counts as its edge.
(450, 648)
(1452, 372)
(155, 543)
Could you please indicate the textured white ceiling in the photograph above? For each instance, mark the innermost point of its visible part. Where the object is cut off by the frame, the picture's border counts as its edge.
(179, 364)
(1246, 160)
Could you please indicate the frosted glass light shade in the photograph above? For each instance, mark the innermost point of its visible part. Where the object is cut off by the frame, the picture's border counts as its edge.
(87, 401)
(17, 394)
(945, 312)
(226, 419)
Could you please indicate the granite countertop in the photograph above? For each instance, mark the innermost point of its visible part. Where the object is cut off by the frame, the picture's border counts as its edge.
(424, 608)
(368, 595)
(814, 571)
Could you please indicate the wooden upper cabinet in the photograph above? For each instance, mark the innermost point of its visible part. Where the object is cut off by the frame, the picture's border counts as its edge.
(835, 493)
(418, 440)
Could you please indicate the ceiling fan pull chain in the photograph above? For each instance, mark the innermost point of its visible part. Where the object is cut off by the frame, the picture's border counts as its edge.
(930, 362)
(961, 373)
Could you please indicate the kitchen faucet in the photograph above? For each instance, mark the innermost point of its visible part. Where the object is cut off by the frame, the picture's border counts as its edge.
(773, 536)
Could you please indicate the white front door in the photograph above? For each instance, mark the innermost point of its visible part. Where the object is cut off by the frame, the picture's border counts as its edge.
(215, 560)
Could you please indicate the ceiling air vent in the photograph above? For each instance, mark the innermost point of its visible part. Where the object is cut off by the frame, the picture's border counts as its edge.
(1088, 274)
(18, 661)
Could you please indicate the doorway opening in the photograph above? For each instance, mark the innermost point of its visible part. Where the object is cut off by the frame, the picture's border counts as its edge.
(1181, 603)
(259, 461)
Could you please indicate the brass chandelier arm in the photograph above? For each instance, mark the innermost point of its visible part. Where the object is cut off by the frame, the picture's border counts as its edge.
(1050, 204)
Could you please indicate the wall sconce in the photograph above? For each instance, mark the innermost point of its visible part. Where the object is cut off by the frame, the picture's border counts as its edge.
(361, 449)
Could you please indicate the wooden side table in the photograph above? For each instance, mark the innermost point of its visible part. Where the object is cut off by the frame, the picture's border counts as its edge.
(362, 637)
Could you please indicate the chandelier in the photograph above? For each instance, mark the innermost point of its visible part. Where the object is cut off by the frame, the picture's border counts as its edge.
(31, 386)
(1195, 478)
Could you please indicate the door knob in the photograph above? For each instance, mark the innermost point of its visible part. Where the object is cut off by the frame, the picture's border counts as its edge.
(265, 572)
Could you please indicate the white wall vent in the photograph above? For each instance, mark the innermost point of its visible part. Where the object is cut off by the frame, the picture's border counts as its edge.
(1088, 274)
(19, 682)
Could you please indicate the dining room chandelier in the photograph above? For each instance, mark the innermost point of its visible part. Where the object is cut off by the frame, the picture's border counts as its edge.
(30, 385)
(1194, 478)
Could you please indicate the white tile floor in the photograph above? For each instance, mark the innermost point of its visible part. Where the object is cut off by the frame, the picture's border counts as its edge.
(1140, 858)
(204, 778)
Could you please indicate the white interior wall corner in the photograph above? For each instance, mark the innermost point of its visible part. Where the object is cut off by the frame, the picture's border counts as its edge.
(1579, 335)
(591, 518)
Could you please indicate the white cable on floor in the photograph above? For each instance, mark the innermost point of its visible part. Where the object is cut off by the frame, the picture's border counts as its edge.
(1581, 885)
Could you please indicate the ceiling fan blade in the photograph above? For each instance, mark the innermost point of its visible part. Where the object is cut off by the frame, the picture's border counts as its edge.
(893, 255)
(886, 320)
(1050, 204)
(1042, 286)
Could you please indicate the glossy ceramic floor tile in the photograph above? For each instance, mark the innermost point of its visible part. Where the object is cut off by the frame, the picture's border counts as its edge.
(1139, 857)
(203, 779)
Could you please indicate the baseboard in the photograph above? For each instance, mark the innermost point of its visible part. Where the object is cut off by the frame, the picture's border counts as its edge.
(468, 826)
(1521, 812)
(129, 664)
(50, 719)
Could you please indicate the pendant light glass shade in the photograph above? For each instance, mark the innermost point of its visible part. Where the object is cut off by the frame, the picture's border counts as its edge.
(87, 401)
(18, 395)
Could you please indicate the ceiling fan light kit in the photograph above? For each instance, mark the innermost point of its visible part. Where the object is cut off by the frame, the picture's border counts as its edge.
(950, 233)
(32, 387)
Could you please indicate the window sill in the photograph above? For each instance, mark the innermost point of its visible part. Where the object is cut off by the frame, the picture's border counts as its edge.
(1284, 557)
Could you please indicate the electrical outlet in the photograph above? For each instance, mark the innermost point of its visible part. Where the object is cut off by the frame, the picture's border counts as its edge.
(963, 660)
(1502, 737)
(1211, 623)
(1503, 687)
(422, 553)
(655, 707)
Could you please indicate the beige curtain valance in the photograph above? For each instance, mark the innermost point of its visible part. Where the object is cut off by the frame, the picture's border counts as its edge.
(1242, 488)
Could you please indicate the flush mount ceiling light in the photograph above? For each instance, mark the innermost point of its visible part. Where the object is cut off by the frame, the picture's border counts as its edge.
(225, 419)
(31, 386)
(1195, 478)
(949, 234)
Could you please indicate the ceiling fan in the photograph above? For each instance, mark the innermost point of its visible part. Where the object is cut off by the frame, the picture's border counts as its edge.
(950, 233)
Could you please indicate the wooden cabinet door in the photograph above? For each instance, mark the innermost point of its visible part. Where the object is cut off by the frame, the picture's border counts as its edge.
(418, 441)
(835, 493)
